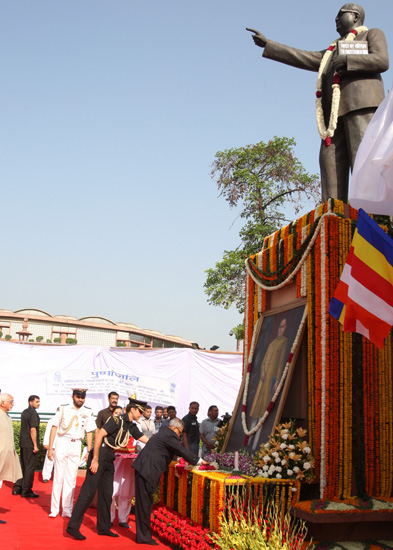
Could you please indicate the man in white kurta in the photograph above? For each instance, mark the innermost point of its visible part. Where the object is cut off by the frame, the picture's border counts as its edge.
(71, 421)
(10, 469)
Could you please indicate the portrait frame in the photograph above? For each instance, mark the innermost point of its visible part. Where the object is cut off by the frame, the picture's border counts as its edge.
(265, 334)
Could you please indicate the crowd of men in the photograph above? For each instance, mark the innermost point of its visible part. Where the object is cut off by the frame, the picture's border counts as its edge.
(118, 434)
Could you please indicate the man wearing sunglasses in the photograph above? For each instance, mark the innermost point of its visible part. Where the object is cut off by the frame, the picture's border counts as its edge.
(151, 462)
(71, 422)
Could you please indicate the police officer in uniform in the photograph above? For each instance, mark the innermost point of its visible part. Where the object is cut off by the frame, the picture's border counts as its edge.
(71, 421)
(100, 469)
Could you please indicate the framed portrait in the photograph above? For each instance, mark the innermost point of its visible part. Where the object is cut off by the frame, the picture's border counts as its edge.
(276, 332)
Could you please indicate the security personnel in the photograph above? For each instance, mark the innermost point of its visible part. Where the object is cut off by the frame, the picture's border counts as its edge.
(100, 469)
(71, 421)
(28, 442)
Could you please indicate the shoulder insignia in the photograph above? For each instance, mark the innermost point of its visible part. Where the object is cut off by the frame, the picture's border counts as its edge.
(65, 405)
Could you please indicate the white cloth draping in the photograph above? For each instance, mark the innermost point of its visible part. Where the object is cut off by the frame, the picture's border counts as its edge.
(372, 179)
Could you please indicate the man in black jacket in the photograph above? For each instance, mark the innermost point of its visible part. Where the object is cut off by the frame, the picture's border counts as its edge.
(100, 469)
(152, 461)
(28, 442)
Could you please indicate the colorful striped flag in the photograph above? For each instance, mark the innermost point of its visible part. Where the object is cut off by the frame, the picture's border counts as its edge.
(363, 300)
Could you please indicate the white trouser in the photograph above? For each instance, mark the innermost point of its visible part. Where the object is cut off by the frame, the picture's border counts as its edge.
(47, 468)
(123, 489)
(67, 459)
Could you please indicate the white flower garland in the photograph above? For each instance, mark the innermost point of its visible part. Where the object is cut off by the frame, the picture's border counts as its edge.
(280, 385)
(320, 227)
(323, 131)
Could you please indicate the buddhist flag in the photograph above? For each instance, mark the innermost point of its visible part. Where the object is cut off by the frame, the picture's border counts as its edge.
(363, 300)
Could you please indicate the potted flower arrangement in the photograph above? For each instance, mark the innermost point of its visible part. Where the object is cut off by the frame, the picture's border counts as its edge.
(286, 455)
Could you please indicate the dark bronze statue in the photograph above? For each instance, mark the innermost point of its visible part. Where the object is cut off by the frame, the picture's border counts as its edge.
(349, 90)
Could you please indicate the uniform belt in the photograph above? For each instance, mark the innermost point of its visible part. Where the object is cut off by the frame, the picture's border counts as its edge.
(109, 448)
(73, 440)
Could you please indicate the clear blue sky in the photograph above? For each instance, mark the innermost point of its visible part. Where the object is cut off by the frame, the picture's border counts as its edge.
(111, 115)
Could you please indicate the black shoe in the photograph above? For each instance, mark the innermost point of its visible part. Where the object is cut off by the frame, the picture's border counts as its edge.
(45, 481)
(151, 542)
(30, 494)
(2, 521)
(108, 533)
(16, 491)
(75, 533)
(125, 525)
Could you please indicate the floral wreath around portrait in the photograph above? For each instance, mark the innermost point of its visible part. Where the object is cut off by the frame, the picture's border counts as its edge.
(280, 385)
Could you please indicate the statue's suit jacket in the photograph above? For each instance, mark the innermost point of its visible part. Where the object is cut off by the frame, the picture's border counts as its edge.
(361, 84)
(155, 457)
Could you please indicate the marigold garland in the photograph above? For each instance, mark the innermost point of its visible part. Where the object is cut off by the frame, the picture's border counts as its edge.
(348, 416)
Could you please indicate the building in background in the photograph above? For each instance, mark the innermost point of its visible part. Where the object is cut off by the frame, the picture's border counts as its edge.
(35, 325)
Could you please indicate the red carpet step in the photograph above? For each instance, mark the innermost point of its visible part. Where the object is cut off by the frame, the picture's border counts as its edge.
(28, 526)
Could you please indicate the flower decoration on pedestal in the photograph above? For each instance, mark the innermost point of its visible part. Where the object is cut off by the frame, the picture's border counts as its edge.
(287, 455)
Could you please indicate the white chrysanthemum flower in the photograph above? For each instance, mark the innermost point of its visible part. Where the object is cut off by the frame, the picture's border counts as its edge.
(278, 469)
(265, 468)
(307, 450)
(275, 454)
(291, 447)
(278, 476)
(278, 460)
(285, 436)
(296, 469)
(266, 458)
(283, 462)
(291, 455)
(283, 446)
(267, 445)
(290, 472)
(306, 465)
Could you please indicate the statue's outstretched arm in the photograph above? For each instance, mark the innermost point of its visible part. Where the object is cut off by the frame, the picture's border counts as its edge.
(259, 38)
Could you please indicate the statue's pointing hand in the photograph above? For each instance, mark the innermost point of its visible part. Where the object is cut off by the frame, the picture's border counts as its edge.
(259, 38)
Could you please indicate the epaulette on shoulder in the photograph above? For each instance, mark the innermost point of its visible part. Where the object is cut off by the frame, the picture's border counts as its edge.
(65, 405)
(88, 408)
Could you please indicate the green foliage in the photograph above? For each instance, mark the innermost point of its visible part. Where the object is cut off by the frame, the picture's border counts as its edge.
(8, 336)
(1, 334)
(39, 338)
(220, 436)
(41, 452)
(71, 341)
(246, 527)
(238, 332)
(260, 181)
(49, 341)
(120, 344)
(57, 340)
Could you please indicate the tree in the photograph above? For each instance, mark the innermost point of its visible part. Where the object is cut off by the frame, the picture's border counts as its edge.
(260, 180)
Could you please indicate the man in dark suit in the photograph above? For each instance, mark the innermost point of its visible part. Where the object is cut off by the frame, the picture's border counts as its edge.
(28, 442)
(100, 469)
(152, 461)
(361, 92)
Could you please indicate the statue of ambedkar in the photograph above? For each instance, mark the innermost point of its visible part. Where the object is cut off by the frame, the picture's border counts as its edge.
(349, 90)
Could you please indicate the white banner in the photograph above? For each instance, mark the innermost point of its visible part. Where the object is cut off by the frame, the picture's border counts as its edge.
(169, 376)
